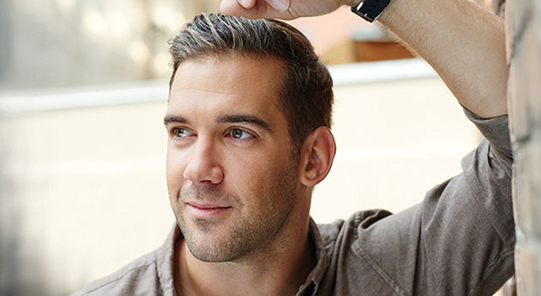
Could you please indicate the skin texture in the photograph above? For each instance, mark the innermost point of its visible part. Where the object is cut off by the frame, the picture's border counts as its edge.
(241, 201)
(204, 150)
(464, 43)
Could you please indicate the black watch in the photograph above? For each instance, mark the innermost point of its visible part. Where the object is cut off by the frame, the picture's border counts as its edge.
(370, 10)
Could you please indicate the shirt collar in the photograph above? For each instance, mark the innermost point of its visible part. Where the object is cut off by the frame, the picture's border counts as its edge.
(315, 277)
(165, 257)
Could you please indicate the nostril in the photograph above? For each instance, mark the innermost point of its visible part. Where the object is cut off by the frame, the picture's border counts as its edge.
(203, 172)
(204, 163)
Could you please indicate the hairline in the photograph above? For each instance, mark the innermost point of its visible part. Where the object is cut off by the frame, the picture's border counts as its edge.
(238, 55)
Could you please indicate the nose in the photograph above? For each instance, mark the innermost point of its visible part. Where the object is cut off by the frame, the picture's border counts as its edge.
(204, 165)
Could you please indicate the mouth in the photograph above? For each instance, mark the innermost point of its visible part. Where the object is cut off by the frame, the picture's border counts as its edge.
(206, 210)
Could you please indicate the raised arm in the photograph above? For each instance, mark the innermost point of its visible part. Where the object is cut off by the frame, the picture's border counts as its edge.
(464, 43)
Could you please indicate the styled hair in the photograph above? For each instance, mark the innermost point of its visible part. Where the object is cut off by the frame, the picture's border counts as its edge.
(305, 96)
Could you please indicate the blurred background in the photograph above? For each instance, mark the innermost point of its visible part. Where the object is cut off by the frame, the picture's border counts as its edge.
(83, 91)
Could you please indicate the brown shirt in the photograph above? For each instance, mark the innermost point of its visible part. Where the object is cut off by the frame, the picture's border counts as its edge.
(458, 241)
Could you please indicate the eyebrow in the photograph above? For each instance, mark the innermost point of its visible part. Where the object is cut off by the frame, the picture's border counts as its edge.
(245, 119)
(174, 119)
(224, 119)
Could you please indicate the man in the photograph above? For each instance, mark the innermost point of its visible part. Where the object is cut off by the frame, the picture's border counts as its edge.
(248, 122)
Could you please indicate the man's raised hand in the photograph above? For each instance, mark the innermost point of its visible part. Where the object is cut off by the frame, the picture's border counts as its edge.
(282, 9)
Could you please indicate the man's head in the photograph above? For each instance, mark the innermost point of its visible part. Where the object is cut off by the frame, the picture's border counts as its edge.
(306, 95)
(241, 160)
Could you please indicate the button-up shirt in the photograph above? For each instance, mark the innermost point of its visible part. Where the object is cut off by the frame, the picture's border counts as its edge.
(458, 241)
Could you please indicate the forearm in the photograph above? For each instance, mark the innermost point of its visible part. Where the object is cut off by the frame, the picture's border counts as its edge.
(464, 43)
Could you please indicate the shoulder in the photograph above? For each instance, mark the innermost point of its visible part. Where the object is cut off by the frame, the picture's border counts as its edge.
(362, 219)
(140, 277)
(364, 244)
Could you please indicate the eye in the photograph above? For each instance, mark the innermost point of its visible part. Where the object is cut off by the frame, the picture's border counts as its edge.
(179, 132)
(240, 134)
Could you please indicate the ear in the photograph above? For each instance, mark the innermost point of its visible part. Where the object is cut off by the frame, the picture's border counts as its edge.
(317, 155)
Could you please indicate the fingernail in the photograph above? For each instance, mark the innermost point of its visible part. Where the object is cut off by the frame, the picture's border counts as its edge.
(280, 5)
(244, 3)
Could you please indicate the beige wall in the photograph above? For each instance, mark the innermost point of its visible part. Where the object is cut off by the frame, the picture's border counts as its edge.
(395, 141)
(87, 188)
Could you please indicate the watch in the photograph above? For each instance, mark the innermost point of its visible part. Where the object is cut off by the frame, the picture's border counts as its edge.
(370, 10)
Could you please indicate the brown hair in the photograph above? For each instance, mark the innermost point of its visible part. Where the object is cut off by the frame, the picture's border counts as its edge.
(306, 95)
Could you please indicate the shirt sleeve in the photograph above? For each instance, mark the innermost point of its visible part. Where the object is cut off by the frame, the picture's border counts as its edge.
(460, 239)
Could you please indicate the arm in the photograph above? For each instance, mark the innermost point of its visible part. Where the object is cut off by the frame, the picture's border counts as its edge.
(463, 230)
(464, 43)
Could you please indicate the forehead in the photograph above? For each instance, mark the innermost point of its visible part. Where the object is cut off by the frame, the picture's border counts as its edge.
(227, 84)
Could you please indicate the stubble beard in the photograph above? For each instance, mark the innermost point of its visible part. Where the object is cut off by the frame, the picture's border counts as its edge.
(250, 233)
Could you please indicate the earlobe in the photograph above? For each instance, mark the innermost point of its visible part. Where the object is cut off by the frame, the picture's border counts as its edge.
(317, 155)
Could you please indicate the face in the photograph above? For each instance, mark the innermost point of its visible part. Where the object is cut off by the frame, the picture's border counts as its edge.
(232, 182)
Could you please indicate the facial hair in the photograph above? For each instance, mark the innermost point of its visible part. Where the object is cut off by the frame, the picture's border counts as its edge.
(251, 231)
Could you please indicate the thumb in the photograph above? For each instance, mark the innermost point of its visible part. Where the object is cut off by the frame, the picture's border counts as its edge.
(237, 7)
(247, 3)
(255, 8)
(279, 5)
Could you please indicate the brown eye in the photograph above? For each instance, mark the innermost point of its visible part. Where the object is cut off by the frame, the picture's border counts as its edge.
(240, 134)
(180, 132)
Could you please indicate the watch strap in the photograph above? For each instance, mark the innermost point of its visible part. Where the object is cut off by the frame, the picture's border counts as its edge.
(370, 10)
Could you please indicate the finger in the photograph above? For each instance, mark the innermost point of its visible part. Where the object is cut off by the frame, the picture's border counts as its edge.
(260, 9)
(247, 3)
(232, 7)
(279, 5)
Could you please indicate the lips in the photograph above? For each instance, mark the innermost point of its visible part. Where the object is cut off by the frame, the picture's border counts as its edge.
(207, 210)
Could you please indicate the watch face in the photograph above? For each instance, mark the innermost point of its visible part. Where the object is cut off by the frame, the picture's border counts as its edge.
(370, 10)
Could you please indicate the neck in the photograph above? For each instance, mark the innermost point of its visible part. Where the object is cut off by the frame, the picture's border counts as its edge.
(274, 271)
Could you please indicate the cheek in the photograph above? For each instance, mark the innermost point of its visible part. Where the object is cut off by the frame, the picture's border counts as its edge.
(261, 176)
(174, 170)
(272, 190)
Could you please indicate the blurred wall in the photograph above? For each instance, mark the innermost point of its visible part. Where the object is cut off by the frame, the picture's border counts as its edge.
(59, 43)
